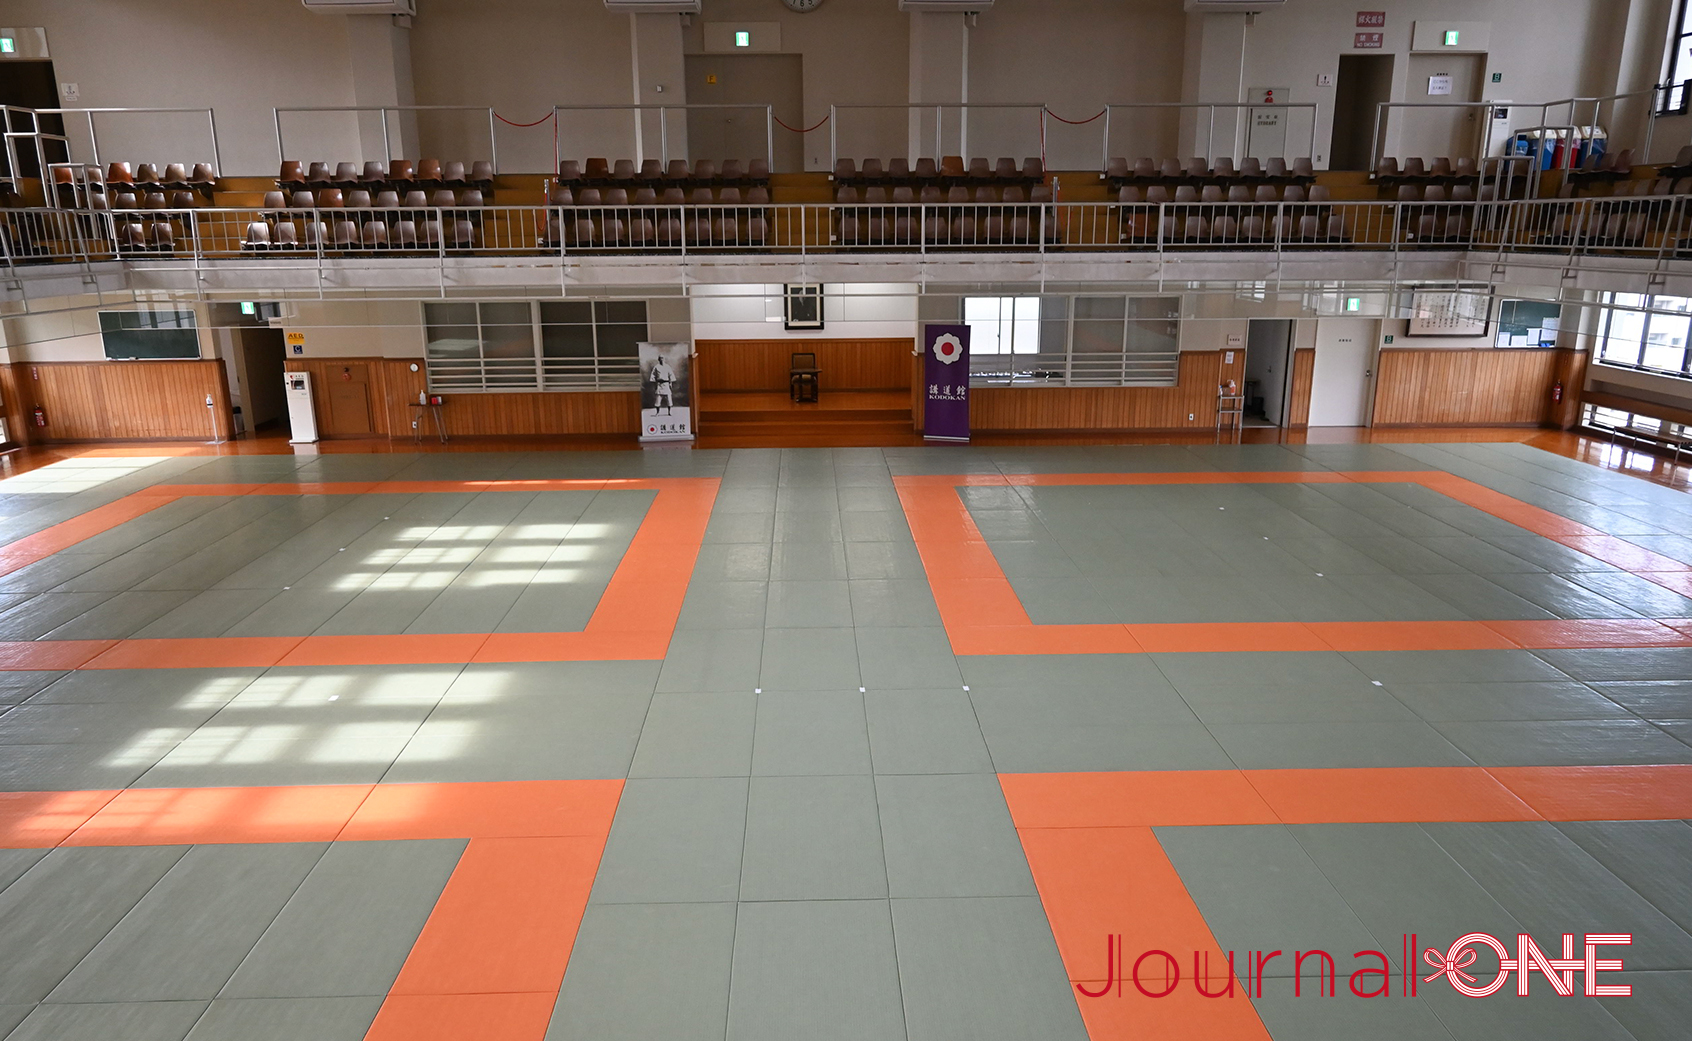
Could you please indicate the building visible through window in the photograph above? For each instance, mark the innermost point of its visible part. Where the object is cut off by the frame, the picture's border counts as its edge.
(1677, 64)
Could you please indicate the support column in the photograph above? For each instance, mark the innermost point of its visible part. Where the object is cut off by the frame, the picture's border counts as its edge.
(939, 76)
(1214, 70)
(660, 78)
(380, 48)
(1644, 27)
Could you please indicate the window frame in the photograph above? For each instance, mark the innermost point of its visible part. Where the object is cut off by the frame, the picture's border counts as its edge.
(1675, 95)
(1120, 368)
(1602, 339)
(544, 374)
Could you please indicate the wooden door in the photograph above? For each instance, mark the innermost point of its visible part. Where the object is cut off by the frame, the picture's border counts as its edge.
(348, 393)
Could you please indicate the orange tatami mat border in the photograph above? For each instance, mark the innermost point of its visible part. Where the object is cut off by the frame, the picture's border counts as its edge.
(983, 615)
(1111, 893)
(492, 954)
(633, 621)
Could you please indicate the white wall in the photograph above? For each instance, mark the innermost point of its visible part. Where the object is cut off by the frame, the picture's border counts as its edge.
(68, 329)
(855, 53)
(1544, 49)
(524, 56)
(363, 329)
(394, 328)
(754, 312)
(1076, 56)
(243, 58)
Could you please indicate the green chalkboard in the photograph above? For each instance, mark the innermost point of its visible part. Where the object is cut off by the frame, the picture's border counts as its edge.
(149, 334)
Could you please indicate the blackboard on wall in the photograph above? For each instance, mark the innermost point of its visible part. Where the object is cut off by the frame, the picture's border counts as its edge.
(149, 334)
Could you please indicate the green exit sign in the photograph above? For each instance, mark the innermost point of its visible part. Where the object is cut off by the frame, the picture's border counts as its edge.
(743, 39)
(248, 307)
(8, 45)
(1451, 37)
(1354, 303)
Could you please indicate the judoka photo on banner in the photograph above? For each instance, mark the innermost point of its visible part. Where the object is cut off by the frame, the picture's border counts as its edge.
(666, 372)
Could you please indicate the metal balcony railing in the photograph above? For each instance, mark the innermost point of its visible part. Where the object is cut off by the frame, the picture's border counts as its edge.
(1637, 226)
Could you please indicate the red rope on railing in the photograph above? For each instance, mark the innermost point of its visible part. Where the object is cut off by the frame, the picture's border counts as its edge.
(553, 115)
(536, 123)
(796, 130)
(1075, 122)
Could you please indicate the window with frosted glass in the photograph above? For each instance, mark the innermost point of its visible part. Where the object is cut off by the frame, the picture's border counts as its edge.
(534, 345)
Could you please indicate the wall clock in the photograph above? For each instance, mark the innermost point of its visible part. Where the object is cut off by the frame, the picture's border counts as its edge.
(802, 6)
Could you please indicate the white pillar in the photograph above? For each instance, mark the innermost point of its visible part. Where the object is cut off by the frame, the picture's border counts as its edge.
(1214, 70)
(1644, 29)
(660, 78)
(380, 48)
(939, 76)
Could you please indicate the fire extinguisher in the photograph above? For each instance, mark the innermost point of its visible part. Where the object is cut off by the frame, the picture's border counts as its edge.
(40, 416)
(1557, 392)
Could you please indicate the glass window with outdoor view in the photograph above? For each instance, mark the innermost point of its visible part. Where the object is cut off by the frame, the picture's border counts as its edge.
(534, 345)
(1678, 61)
(1074, 340)
(1646, 332)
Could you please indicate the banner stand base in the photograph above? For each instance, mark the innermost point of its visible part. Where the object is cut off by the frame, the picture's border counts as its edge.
(949, 440)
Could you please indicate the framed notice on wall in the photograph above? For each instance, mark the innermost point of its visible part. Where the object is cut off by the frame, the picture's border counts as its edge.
(1448, 312)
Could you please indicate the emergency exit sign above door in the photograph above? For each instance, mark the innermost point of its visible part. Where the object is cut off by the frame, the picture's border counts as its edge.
(1452, 37)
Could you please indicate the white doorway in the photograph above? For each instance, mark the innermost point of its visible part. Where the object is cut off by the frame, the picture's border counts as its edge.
(1268, 371)
(1344, 373)
(1432, 132)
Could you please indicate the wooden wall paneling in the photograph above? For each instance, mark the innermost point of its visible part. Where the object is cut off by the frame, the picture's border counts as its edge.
(1109, 408)
(1303, 378)
(325, 370)
(919, 400)
(878, 364)
(1480, 387)
(122, 400)
(517, 413)
(1570, 370)
(20, 426)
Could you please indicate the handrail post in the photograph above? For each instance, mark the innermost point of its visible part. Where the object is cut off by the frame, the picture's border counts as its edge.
(217, 156)
(93, 138)
(663, 134)
(387, 149)
(557, 158)
(833, 138)
(1375, 145)
(281, 156)
(493, 142)
(769, 136)
(1104, 157)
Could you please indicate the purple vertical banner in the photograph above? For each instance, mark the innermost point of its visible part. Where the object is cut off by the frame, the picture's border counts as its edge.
(945, 376)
